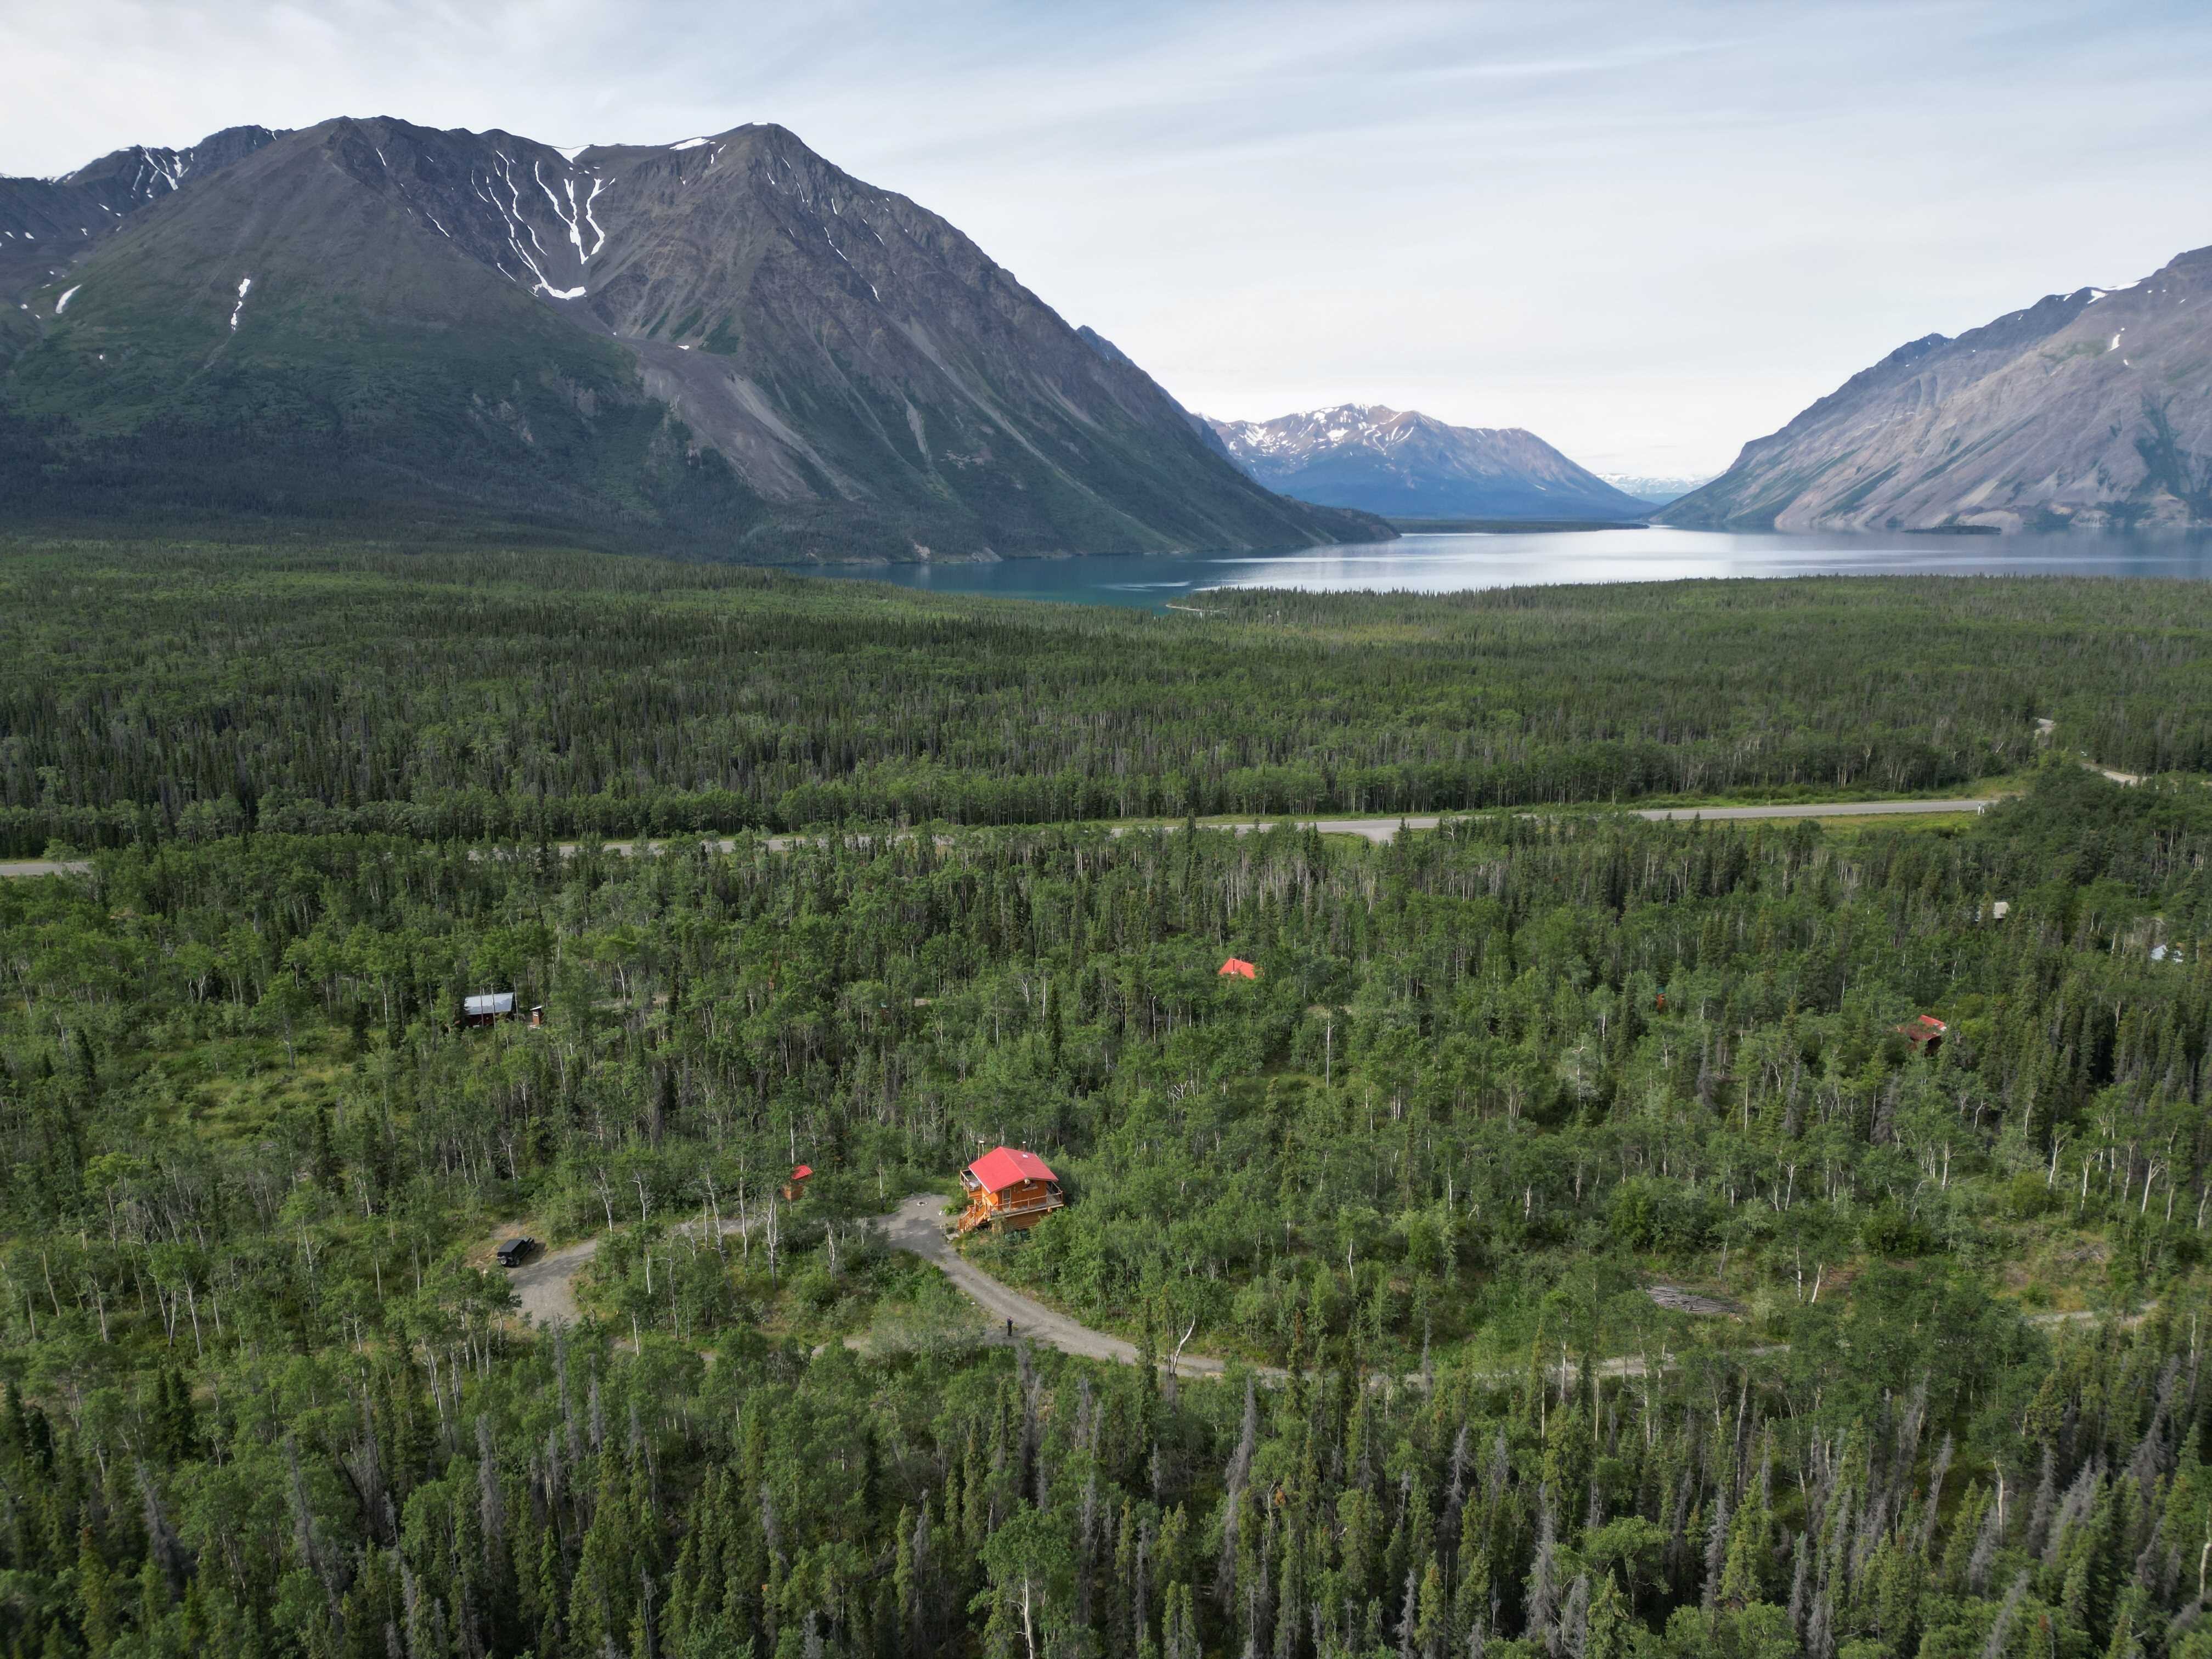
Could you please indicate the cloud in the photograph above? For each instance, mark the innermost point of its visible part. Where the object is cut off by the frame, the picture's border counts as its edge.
(1648, 233)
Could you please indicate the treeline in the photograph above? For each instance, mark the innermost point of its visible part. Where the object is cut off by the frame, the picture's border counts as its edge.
(158, 691)
(268, 1398)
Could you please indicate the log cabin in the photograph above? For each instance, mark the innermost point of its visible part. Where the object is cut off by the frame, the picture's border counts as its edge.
(1008, 1190)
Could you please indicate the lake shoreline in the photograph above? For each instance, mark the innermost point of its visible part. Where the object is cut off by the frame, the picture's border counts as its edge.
(1463, 562)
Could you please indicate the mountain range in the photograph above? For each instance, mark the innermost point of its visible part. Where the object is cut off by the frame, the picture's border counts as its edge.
(2092, 409)
(725, 344)
(729, 346)
(1657, 488)
(1402, 464)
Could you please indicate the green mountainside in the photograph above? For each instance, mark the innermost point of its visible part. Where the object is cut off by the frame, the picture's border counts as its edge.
(727, 346)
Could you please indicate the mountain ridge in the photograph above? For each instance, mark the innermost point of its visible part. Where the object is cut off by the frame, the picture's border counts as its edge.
(728, 340)
(1404, 464)
(43, 220)
(2089, 409)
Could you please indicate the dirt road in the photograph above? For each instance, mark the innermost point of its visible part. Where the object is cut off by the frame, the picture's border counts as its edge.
(45, 868)
(918, 1226)
(547, 1286)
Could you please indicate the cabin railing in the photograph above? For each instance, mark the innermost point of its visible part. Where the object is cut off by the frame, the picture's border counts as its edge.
(981, 1214)
(1031, 1206)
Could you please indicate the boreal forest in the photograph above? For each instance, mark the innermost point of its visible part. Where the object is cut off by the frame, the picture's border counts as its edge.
(1615, 1239)
(157, 690)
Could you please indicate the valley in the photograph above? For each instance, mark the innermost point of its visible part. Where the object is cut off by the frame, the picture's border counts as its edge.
(716, 943)
(526, 695)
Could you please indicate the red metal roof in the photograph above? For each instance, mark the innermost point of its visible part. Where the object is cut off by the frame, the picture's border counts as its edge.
(802, 1172)
(1241, 967)
(1007, 1166)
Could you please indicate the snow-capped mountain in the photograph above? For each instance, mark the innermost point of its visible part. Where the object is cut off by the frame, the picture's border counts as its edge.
(45, 223)
(725, 343)
(1407, 464)
(1659, 488)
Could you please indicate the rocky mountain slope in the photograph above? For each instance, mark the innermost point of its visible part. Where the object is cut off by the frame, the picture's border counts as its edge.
(2090, 408)
(47, 224)
(1408, 464)
(726, 344)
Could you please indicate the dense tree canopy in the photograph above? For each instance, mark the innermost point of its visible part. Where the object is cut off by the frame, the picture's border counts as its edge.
(1601, 1266)
(161, 690)
(265, 1395)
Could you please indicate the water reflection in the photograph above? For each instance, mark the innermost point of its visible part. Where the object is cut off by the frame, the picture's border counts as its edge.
(1460, 563)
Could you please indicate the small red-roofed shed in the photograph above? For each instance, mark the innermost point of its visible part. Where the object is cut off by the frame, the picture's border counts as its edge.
(1009, 1188)
(1925, 1032)
(794, 1185)
(1236, 967)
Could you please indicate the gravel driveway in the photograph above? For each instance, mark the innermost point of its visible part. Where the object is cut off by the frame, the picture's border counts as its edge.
(547, 1283)
(919, 1226)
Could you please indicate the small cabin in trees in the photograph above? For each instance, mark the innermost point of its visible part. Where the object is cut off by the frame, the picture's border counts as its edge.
(794, 1184)
(487, 1008)
(1008, 1187)
(1925, 1032)
(1237, 968)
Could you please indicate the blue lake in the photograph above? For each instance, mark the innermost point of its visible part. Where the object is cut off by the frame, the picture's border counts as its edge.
(1459, 562)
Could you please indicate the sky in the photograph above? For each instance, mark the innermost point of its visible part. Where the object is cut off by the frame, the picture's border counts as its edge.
(1647, 232)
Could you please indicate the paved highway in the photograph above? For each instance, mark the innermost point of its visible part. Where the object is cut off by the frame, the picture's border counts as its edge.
(1380, 830)
(1386, 829)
